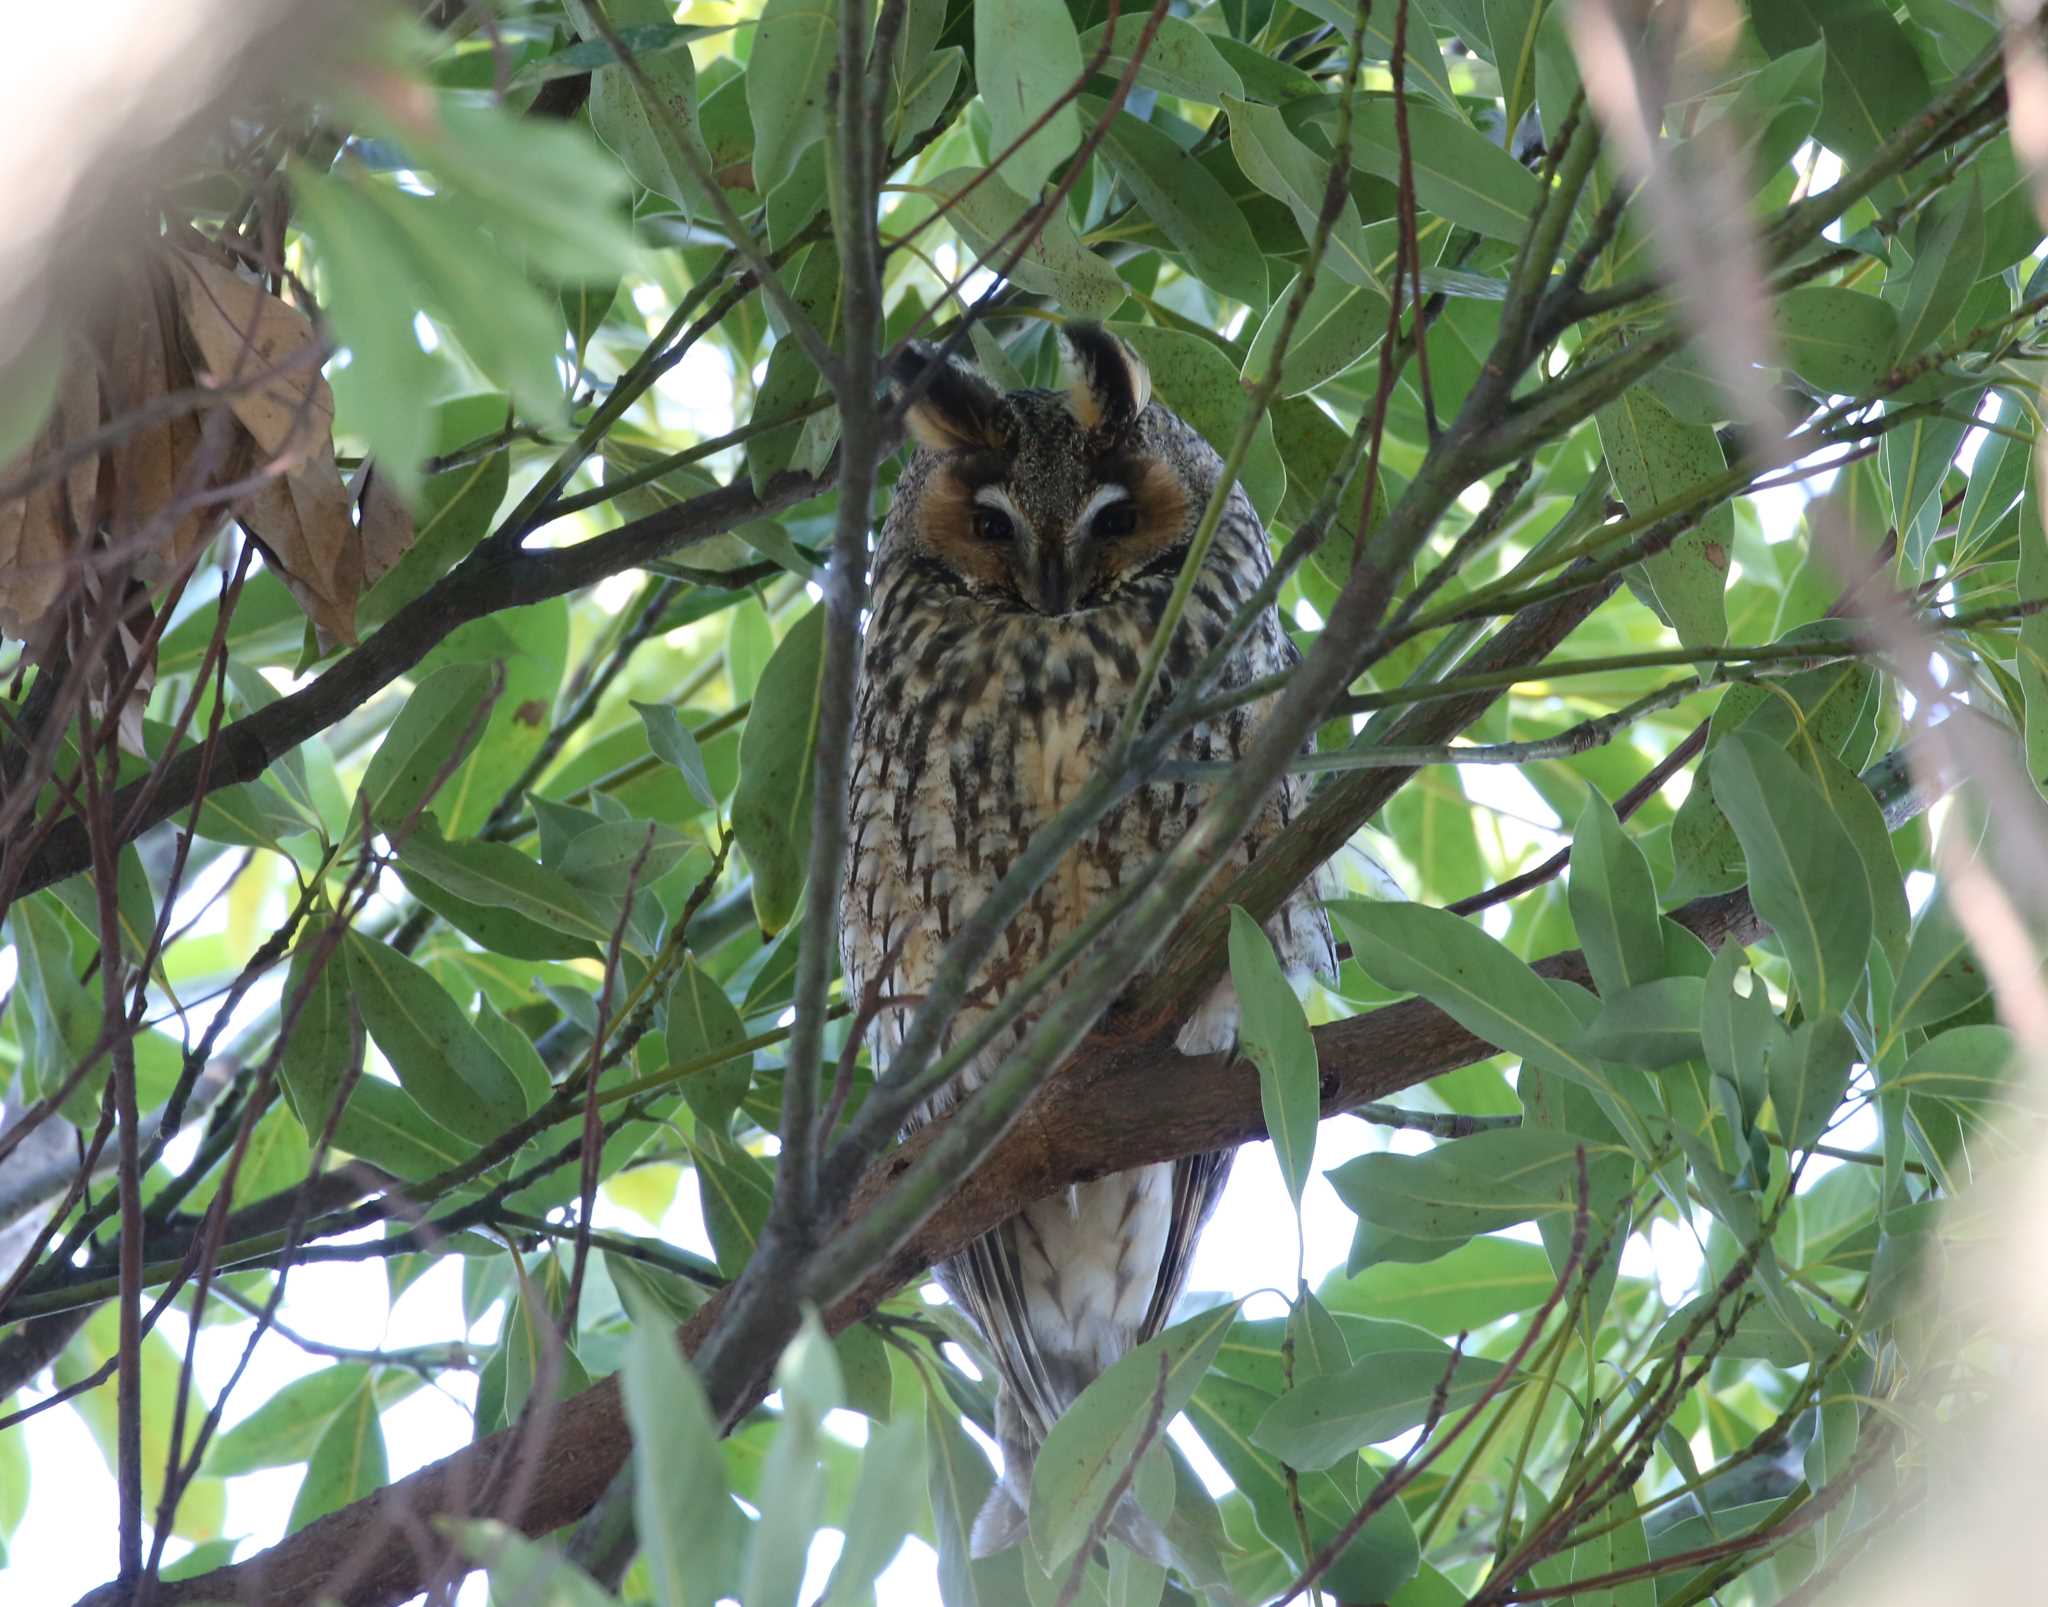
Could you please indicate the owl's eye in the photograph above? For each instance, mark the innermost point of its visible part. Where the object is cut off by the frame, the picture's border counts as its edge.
(993, 525)
(1118, 519)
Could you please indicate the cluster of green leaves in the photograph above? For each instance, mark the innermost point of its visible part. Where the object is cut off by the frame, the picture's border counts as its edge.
(496, 280)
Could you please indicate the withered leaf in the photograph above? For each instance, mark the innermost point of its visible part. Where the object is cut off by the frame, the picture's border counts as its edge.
(266, 357)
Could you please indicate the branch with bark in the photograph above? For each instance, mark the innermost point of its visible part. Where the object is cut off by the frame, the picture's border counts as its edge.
(1101, 1116)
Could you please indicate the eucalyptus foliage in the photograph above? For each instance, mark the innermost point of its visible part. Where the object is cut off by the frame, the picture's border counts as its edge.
(512, 901)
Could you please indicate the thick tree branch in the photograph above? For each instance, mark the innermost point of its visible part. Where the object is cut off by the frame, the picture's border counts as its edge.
(1100, 1116)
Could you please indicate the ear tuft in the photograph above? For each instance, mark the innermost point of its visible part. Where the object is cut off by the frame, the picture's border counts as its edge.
(956, 408)
(1108, 385)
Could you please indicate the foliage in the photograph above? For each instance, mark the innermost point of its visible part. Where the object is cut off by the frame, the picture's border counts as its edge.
(451, 809)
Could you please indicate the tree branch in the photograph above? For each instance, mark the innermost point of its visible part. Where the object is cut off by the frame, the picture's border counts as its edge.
(1099, 1117)
(487, 582)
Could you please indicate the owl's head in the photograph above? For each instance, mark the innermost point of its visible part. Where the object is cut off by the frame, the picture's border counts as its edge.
(1051, 501)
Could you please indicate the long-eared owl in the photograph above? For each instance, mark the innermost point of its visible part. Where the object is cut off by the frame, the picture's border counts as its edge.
(1021, 575)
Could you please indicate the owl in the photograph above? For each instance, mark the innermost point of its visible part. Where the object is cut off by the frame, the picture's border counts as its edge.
(1020, 577)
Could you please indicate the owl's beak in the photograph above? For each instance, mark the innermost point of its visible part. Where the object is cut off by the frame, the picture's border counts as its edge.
(1055, 580)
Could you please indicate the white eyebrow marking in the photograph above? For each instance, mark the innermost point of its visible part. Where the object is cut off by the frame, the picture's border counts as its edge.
(994, 496)
(1105, 496)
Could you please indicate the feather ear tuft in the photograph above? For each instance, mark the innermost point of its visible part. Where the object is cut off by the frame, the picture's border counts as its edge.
(956, 408)
(1108, 385)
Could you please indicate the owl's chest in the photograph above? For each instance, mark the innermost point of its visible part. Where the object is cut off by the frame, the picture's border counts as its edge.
(964, 755)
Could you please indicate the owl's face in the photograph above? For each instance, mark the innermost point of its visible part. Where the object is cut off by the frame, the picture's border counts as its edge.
(1047, 502)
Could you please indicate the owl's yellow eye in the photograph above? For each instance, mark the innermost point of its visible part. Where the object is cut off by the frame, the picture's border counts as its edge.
(993, 525)
(1118, 519)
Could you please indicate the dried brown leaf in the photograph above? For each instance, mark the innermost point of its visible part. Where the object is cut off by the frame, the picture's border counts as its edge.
(263, 352)
(383, 521)
(302, 519)
(157, 479)
(265, 357)
(43, 531)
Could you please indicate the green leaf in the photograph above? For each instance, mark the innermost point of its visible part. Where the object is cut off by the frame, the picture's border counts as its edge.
(863, 1358)
(1613, 900)
(204, 1500)
(701, 1022)
(1026, 55)
(1941, 974)
(647, 114)
(1273, 1033)
(1320, 1348)
(1225, 1412)
(1180, 60)
(1198, 382)
(1654, 459)
(530, 646)
(516, 1050)
(440, 1058)
(926, 95)
(958, 1480)
(507, 326)
(1185, 200)
(1770, 116)
(1965, 1064)
(1460, 174)
(795, 47)
(2030, 662)
(1477, 1283)
(390, 381)
(689, 1528)
(387, 1127)
(318, 1047)
(1055, 263)
(1948, 246)
(348, 1463)
(1650, 1025)
(1873, 83)
(884, 1508)
(808, 1377)
(66, 1016)
(1339, 324)
(1470, 976)
(451, 512)
(1838, 340)
(1480, 1184)
(1809, 1074)
(435, 728)
(792, 378)
(642, 44)
(1423, 65)
(1805, 876)
(497, 876)
(1860, 815)
(736, 1191)
(607, 859)
(674, 745)
(1319, 1423)
(771, 807)
(1826, 708)
(1098, 1435)
(1276, 160)
(285, 1428)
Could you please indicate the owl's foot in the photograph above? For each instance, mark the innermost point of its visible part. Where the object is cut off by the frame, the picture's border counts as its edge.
(1003, 1522)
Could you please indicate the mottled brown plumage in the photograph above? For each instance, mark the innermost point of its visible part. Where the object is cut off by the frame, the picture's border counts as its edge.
(1019, 581)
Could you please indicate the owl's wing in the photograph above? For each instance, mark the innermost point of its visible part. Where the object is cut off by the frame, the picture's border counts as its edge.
(1197, 1185)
